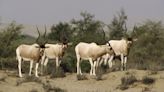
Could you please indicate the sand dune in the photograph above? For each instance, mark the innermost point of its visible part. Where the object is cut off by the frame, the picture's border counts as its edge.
(109, 82)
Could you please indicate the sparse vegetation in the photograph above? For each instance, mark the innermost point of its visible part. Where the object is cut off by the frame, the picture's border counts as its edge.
(146, 89)
(3, 79)
(81, 77)
(99, 73)
(54, 89)
(48, 88)
(127, 81)
(57, 73)
(28, 79)
(130, 72)
(148, 80)
(131, 79)
(46, 85)
(152, 72)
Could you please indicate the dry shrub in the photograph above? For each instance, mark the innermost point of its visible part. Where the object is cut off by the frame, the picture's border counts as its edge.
(147, 80)
(99, 73)
(8, 63)
(28, 79)
(3, 79)
(81, 77)
(153, 72)
(126, 81)
(146, 89)
(48, 88)
(57, 73)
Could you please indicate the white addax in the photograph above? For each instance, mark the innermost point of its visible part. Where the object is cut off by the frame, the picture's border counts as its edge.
(121, 48)
(54, 51)
(90, 51)
(105, 59)
(30, 53)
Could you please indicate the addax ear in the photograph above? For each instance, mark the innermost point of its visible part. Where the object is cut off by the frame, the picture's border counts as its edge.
(47, 46)
(108, 44)
(37, 46)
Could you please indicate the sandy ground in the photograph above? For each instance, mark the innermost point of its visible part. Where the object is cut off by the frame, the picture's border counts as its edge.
(109, 83)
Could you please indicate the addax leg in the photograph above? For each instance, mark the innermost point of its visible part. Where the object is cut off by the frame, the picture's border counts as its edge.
(36, 69)
(92, 66)
(110, 61)
(31, 65)
(125, 61)
(45, 62)
(95, 67)
(42, 63)
(19, 67)
(78, 66)
(44, 67)
(57, 62)
(122, 62)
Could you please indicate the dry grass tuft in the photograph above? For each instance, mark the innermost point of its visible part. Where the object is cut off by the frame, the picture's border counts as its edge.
(49, 88)
(147, 80)
(28, 79)
(3, 79)
(99, 73)
(146, 89)
(57, 73)
(81, 77)
(152, 72)
(127, 81)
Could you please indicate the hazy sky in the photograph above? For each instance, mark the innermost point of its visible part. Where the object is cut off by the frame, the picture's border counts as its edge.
(53, 11)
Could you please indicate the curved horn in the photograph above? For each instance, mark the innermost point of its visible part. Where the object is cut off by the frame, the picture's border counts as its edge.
(38, 33)
(45, 31)
(125, 28)
(44, 35)
(104, 34)
(134, 29)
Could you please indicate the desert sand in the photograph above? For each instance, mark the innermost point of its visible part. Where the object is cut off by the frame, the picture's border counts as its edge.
(110, 82)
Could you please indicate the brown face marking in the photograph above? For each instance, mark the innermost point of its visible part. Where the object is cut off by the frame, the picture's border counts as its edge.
(41, 51)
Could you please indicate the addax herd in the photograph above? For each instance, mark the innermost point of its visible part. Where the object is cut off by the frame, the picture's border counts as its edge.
(94, 53)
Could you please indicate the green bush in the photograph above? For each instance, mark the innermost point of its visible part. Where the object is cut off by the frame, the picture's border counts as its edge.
(147, 52)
